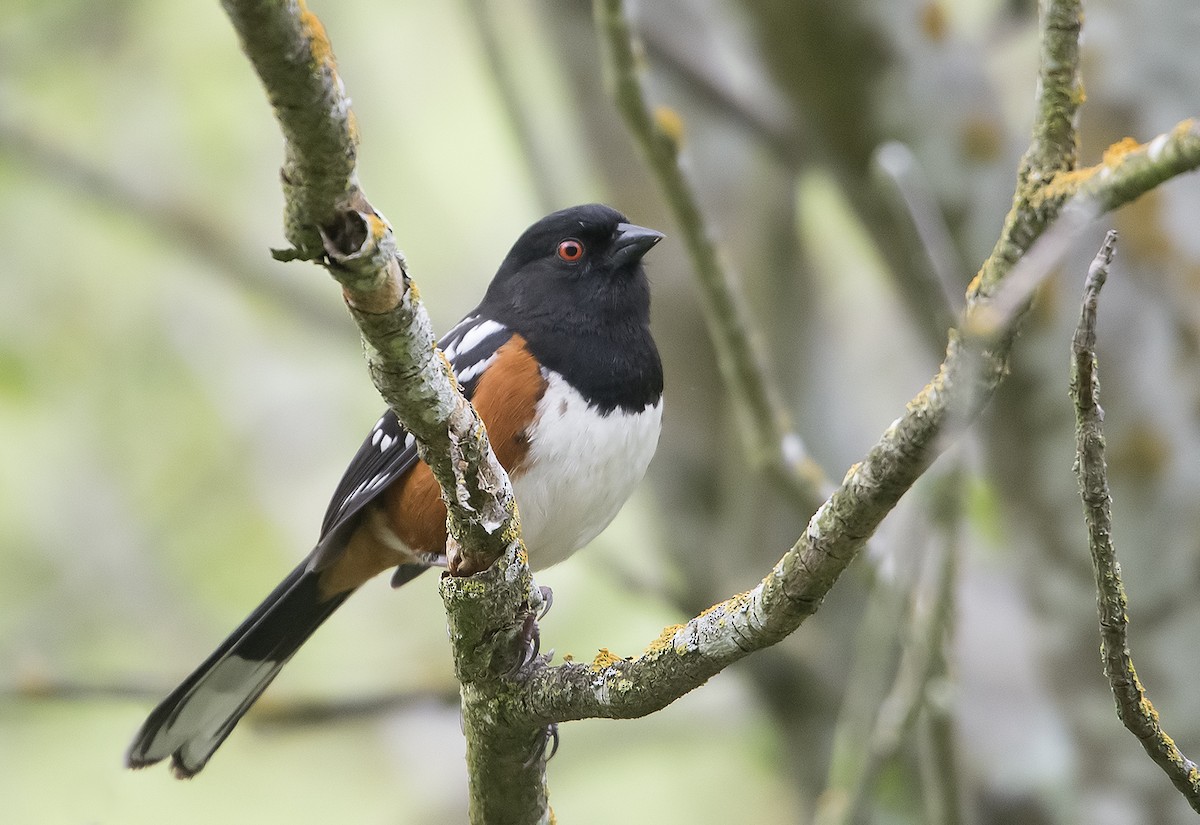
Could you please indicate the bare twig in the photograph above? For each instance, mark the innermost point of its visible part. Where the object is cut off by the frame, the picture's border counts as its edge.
(1133, 706)
(539, 166)
(767, 432)
(272, 712)
(297, 712)
(874, 652)
(226, 256)
(943, 785)
(941, 285)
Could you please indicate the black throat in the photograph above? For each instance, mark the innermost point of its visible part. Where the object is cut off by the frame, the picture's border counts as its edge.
(612, 368)
(602, 346)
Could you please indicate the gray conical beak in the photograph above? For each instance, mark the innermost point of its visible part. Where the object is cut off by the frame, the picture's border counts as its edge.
(632, 242)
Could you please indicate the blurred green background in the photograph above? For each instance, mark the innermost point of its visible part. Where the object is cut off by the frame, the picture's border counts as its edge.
(175, 407)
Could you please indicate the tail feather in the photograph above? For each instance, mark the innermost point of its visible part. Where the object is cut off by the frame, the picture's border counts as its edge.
(193, 721)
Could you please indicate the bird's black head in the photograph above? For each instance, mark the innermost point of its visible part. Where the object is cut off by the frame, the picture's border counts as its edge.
(581, 265)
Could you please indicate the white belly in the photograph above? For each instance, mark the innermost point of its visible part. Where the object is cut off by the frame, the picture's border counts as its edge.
(580, 469)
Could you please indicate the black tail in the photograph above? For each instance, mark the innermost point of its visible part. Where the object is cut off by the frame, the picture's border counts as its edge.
(191, 723)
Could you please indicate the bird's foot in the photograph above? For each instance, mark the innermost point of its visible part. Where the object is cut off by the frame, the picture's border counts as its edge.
(545, 746)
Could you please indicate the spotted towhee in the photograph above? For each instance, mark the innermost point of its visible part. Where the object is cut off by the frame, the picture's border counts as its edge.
(559, 362)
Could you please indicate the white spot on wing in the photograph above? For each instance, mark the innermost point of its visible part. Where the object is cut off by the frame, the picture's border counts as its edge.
(455, 346)
(477, 334)
(475, 370)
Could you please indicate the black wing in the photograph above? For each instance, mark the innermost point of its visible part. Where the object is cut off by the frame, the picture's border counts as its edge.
(389, 450)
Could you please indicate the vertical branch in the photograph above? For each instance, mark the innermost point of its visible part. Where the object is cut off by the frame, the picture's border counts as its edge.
(539, 166)
(288, 47)
(1133, 706)
(1053, 145)
(766, 426)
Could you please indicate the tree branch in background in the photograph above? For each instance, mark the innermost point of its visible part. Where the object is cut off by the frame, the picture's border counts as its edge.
(940, 286)
(767, 432)
(1127, 171)
(1133, 706)
(858, 759)
(683, 657)
(266, 712)
(539, 165)
(176, 223)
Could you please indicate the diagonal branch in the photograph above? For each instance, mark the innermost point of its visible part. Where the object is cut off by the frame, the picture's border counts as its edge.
(328, 219)
(164, 218)
(685, 656)
(1133, 706)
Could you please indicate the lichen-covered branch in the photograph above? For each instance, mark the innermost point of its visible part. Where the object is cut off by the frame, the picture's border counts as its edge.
(288, 47)
(1130, 169)
(685, 656)
(1052, 149)
(1133, 706)
(328, 219)
(766, 426)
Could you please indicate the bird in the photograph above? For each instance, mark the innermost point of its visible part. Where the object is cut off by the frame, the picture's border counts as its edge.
(559, 362)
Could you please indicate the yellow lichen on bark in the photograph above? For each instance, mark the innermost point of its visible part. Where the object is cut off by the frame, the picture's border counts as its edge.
(319, 45)
(664, 641)
(604, 658)
(1118, 150)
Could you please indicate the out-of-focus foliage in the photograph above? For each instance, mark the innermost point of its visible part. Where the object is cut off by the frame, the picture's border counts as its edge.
(175, 407)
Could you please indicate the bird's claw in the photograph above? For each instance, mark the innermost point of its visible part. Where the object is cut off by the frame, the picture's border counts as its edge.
(530, 639)
(547, 742)
(547, 601)
(530, 635)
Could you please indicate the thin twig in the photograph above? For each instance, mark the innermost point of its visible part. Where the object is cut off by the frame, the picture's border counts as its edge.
(941, 285)
(184, 228)
(874, 659)
(930, 615)
(767, 430)
(270, 712)
(530, 140)
(1133, 706)
(943, 785)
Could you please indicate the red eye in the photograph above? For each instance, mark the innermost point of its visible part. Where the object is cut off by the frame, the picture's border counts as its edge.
(570, 250)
